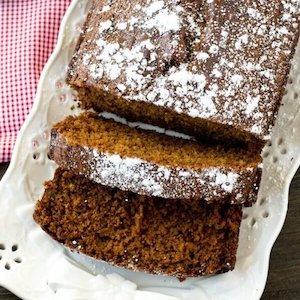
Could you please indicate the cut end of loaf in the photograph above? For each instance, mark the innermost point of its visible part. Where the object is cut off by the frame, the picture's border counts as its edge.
(155, 235)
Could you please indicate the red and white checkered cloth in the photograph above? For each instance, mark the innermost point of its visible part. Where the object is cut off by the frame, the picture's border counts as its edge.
(28, 32)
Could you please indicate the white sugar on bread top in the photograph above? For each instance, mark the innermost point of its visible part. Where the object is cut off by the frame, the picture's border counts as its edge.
(144, 177)
(227, 66)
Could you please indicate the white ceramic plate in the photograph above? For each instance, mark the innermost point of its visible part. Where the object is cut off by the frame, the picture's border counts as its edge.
(35, 267)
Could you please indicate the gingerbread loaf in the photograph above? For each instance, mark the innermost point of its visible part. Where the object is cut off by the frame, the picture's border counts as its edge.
(152, 163)
(141, 233)
(214, 68)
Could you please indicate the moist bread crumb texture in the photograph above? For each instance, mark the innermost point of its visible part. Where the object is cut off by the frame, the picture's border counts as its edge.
(160, 236)
(204, 67)
(151, 163)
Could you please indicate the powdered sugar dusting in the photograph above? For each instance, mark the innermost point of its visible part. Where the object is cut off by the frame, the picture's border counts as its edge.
(164, 21)
(137, 175)
(224, 61)
(154, 7)
(226, 181)
(105, 25)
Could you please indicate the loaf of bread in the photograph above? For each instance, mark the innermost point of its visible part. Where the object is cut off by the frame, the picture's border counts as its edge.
(215, 68)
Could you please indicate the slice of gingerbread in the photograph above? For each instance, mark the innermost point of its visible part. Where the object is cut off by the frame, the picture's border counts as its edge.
(155, 235)
(152, 163)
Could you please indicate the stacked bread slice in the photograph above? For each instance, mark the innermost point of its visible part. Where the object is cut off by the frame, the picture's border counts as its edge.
(151, 163)
(151, 201)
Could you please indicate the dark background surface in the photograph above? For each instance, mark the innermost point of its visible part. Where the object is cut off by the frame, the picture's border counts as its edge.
(284, 275)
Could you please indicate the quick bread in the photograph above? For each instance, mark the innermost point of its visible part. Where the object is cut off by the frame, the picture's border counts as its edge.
(214, 68)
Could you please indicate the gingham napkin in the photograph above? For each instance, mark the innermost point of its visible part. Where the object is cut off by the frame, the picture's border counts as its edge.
(28, 32)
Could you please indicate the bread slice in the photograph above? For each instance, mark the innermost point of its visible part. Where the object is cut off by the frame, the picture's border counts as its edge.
(217, 68)
(155, 235)
(152, 163)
